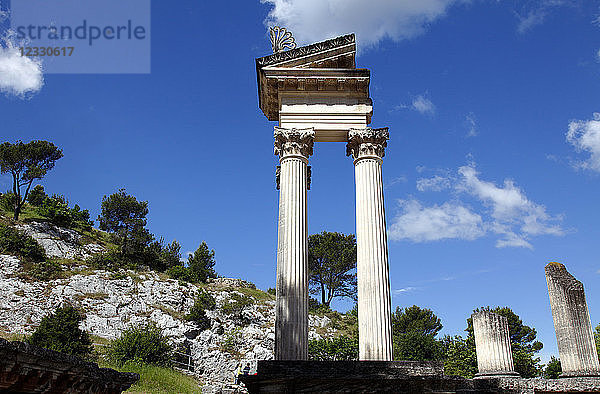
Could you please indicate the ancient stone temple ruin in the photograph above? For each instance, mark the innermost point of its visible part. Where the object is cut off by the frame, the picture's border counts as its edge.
(317, 94)
(572, 324)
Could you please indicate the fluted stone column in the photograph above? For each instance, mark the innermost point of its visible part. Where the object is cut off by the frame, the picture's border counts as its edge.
(576, 345)
(293, 147)
(492, 344)
(367, 147)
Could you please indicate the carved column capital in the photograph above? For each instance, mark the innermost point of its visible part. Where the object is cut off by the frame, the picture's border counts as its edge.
(294, 142)
(367, 142)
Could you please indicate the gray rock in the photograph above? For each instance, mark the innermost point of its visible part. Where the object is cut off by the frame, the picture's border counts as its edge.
(113, 305)
(59, 242)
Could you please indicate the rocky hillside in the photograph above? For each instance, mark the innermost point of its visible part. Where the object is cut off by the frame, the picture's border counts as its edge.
(113, 301)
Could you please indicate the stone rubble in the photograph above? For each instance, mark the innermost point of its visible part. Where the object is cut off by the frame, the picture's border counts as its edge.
(116, 301)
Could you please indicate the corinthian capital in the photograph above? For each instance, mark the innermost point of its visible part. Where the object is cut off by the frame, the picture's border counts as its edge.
(367, 142)
(297, 142)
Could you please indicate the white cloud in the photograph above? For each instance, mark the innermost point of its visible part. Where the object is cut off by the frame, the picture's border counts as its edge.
(584, 135)
(421, 224)
(400, 179)
(505, 211)
(534, 13)
(534, 18)
(405, 290)
(436, 184)
(471, 123)
(514, 216)
(372, 21)
(423, 105)
(19, 75)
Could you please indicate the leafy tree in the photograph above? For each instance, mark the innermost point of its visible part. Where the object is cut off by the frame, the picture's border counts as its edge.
(26, 163)
(414, 330)
(461, 358)
(523, 343)
(60, 331)
(201, 263)
(160, 256)
(336, 349)
(145, 344)
(272, 291)
(417, 319)
(125, 216)
(553, 369)
(331, 262)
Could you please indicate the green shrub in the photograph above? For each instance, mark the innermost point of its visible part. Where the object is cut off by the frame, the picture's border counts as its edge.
(144, 344)
(272, 291)
(316, 307)
(7, 201)
(236, 305)
(56, 209)
(197, 314)
(231, 343)
(109, 260)
(553, 369)
(37, 195)
(44, 270)
(337, 349)
(181, 273)
(12, 241)
(60, 331)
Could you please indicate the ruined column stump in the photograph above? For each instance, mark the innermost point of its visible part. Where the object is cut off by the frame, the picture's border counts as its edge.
(492, 342)
(574, 335)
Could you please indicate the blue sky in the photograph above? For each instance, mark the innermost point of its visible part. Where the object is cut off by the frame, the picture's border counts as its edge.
(491, 170)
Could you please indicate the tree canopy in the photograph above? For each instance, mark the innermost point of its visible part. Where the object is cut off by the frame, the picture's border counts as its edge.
(331, 262)
(26, 162)
(414, 330)
(125, 216)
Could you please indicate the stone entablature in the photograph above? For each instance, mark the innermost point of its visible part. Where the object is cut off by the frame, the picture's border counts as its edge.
(324, 77)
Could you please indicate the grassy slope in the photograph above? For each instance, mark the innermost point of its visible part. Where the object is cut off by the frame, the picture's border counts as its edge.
(159, 380)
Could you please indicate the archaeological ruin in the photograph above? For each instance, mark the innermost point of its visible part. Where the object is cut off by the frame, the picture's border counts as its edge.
(317, 94)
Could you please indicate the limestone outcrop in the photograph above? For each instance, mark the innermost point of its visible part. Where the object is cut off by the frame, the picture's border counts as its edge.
(59, 242)
(114, 301)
